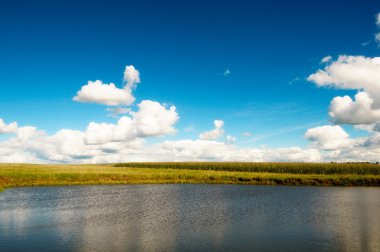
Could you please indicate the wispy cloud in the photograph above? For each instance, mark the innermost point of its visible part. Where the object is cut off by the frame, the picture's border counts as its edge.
(326, 59)
(294, 80)
(247, 134)
(227, 72)
(116, 112)
(366, 43)
(282, 131)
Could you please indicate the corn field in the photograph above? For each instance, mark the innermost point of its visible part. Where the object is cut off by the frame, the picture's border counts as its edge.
(292, 168)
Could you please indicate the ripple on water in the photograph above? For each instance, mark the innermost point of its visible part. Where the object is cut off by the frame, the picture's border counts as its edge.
(190, 218)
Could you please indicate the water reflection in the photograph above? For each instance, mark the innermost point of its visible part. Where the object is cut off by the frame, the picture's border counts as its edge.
(189, 218)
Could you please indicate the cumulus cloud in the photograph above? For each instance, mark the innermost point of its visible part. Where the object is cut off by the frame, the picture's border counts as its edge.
(206, 150)
(8, 128)
(227, 72)
(101, 133)
(154, 119)
(151, 119)
(109, 94)
(106, 94)
(326, 59)
(215, 133)
(352, 73)
(344, 110)
(131, 76)
(378, 19)
(328, 137)
(71, 146)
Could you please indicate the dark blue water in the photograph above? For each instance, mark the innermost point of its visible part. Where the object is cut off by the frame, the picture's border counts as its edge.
(190, 218)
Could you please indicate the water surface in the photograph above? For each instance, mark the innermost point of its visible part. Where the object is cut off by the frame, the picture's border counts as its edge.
(190, 218)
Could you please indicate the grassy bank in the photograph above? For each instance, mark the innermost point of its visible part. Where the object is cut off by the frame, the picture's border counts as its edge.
(12, 175)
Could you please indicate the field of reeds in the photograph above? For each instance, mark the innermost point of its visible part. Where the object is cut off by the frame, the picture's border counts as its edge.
(364, 174)
(292, 168)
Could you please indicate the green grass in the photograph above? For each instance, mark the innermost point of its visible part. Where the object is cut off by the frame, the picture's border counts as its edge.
(293, 168)
(13, 175)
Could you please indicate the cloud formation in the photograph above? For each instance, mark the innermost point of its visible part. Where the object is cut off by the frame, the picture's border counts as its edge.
(131, 76)
(100, 142)
(344, 110)
(215, 133)
(377, 35)
(116, 111)
(109, 94)
(151, 119)
(70, 146)
(352, 73)
(125, 139)
(328, 137)
(326, 59)
(8, 128)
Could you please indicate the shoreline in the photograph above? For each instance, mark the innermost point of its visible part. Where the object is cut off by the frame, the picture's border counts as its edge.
(16, 175)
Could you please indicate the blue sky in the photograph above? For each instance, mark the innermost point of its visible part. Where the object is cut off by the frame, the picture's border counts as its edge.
(182, 49)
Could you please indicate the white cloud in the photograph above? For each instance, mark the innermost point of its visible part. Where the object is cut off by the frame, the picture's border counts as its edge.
(343, 110)
(116, 111)
(8, 128)
(352, 73)
(109, 94)
(227, 72)
(215, 133)
(101, 133)
(206, 150)
(326, 59)
(70, 146)
(153, 119)
(131, 76)
(378, 19)
(328, 137)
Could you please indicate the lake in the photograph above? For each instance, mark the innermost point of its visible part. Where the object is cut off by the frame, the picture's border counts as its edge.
(190, 218)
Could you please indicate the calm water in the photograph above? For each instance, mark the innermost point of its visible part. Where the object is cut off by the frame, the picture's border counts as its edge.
(190, 218)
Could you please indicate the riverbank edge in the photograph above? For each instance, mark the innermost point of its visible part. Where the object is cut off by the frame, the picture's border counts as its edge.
(60, 175)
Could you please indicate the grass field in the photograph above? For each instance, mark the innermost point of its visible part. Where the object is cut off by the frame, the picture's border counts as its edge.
(293, 168)
(12, 175)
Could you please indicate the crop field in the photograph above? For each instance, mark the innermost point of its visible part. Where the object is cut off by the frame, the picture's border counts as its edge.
(13, 175)
(292, 168)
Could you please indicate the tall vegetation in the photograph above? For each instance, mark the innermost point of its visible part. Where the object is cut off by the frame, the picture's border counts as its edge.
(292, 168)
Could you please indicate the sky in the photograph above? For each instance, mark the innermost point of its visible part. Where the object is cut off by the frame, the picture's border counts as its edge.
(117, 81)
